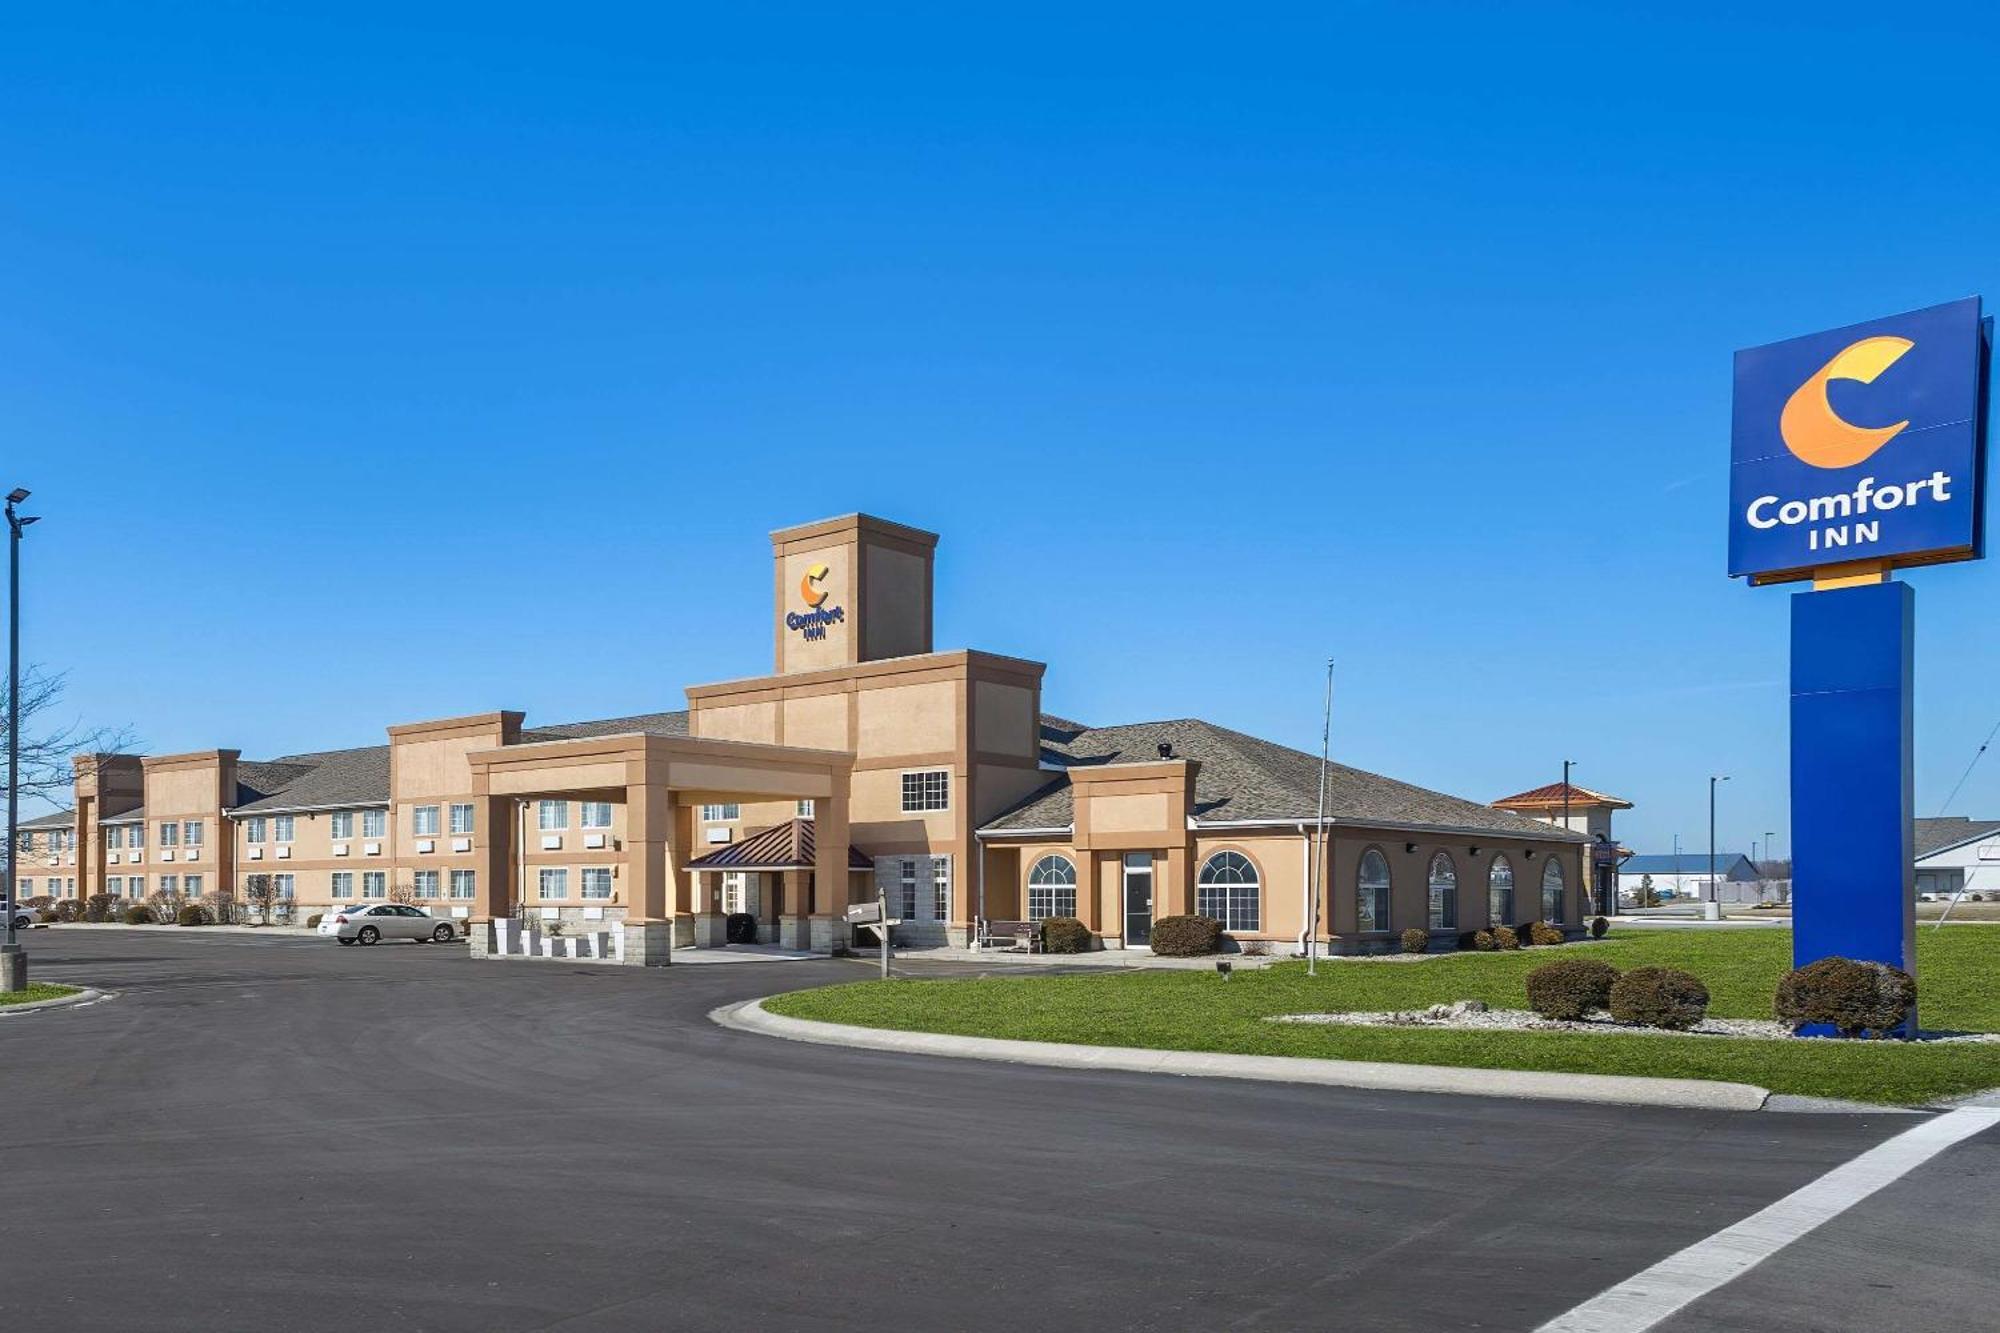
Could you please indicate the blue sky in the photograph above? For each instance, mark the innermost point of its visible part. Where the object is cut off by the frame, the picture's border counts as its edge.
(372, 366)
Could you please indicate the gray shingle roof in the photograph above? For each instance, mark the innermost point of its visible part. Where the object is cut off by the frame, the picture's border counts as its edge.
(1692, 861)
(651, 724)
(314, 781)
(1934, 835)
(56, 819)
(1244, 778)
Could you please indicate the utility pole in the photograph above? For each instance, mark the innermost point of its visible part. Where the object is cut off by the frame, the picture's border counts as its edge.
(13, 959)
(1319, 829)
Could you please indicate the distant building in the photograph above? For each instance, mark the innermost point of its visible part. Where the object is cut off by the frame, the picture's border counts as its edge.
(1580, 810)
(1684, 878)
(1958, 855)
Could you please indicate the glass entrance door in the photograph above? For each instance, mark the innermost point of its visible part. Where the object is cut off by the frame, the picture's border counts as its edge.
(1138, 898)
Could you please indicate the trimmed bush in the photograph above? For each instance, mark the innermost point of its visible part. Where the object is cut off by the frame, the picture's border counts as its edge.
(1570, 988)
(312, 922)
(1415, 940)
(194, 914)
(1850, 997)
(1598, 925)
(1547, 934)
(137, 915)
(1187, 936)
(1065, 934)
(1504, 938)
(1524, 933)
(1484, 942)
(1659, 997)
(101, 907)
(69, 909)
(739, 928)
(48, 916)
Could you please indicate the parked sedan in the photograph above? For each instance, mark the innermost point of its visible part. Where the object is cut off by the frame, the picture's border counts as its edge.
(385, 921)
(25, 917)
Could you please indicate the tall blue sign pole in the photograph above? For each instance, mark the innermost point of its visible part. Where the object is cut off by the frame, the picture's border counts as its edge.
(1856, 452)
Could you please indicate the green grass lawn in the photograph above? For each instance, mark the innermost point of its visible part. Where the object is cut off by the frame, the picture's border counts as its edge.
(35, 991)
(1958, 989)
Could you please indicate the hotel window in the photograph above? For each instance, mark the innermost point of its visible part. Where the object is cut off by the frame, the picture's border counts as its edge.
(940, 888)
(553, 815)
(426, 883)
(461, 817)
(554, 883)
(374, 823)
(1500, 892)
(55, 888)
(906, 889)
(721, 814)
(341, 824)
(1552, 892)
(805, 809)
(424, 821)
(281, 828)
(192, 833)
(1443, 882)
(596, 881)
(114, 838)
(1228, 891)
(192, 884)
(343, 886)
(170, 834)
(928, 790)
(135, 836)
(1051, 888)
(254, 829)
(735, 892)
(113, 885)
(137, 885)
(463, 883)
(169, 885)
(374, 883)
(595, 814)
(1371, 892)
(283, 886)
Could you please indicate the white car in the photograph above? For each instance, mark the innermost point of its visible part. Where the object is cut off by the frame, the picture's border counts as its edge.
(24, 917)
(372, 923)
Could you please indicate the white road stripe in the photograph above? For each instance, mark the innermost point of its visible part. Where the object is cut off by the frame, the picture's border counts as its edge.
(1643, 1300)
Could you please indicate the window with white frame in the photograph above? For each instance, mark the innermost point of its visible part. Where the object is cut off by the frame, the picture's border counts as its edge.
(736, 895)
(113, 885)
(374, 883)
(425, 883)
(553, 815)
(194, 833)
(554, 882)
(595, 814)
(596, 881)
(1500, 892)
(721, 814)
(940, 888)
(55, 888)
(137, 885)
(342, 882)
(1051, 888)
(928, 789)
(114, 837)
(374, 823)
(1228, 890)
(170, 834)
(906, 888)
(1552, 891)
(461, 817)
(284, 887)
(191, 885)
(340, 824)
(282, 828)
(464, 883)
(135, 836)
(255, 829)
(169, 885)
(1371, 891)
(805, 809)
(424, 821)
(1442, 882)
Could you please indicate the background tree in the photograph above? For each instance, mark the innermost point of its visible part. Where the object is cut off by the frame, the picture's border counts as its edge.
(404, 891)
(261, 892)
(49, 743)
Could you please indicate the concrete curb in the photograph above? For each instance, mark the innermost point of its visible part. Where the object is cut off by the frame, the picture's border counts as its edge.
(186, 930)
(1609, 1089)
(84, 996)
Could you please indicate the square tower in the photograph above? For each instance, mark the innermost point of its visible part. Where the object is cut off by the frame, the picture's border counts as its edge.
(850, 590)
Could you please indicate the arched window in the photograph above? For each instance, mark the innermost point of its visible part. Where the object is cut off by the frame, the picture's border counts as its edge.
(1552, 891)
(1371, 892)
(1228, 891)
(1500, 893)
(1444, 893)
(1051, 888)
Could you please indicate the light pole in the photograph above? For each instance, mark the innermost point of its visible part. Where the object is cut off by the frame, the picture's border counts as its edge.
(1714, 891)
(13, 959)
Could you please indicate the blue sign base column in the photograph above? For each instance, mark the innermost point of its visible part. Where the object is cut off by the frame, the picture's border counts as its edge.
(1853, 791)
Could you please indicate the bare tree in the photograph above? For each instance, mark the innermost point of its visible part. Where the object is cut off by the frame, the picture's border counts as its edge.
(48, 744)
(261, 892)
(404, 891)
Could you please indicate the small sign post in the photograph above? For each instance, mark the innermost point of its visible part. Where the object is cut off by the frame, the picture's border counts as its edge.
(874, 915)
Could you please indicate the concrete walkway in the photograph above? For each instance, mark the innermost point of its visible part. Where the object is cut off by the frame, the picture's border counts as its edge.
(1611, 1089)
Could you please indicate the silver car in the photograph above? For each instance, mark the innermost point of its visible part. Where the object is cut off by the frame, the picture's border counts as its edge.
(385, 921)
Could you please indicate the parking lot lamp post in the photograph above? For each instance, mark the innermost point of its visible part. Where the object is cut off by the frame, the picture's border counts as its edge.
(1714, 890)
(13, 960)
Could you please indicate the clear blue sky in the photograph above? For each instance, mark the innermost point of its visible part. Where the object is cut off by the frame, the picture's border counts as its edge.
(370, 368)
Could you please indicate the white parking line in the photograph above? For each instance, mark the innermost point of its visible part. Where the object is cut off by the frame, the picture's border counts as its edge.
(1643, 1300)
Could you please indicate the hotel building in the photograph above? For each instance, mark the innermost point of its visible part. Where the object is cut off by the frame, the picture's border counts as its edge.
(865, 762)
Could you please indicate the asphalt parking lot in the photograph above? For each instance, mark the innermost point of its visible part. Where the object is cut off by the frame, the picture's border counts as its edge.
(277, 1133)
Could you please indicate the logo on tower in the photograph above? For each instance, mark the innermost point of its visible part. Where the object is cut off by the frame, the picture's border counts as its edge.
(1863, 444)
(813, 621)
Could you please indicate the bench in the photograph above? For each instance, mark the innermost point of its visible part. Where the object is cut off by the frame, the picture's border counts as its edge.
(1022, 933)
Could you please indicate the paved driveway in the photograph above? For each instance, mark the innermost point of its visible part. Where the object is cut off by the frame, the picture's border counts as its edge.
(276, 1133)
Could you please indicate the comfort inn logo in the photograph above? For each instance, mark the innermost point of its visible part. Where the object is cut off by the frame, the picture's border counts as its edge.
(1859, 444)
(813, 621)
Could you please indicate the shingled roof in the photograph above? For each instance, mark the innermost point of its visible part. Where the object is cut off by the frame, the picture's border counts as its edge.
(57, 819)
(786, 846)
(650, 724)
(1244, 778)
(1934, 835)
(1551, 798)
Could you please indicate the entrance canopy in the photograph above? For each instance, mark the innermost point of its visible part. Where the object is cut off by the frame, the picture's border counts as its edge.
(786, 846)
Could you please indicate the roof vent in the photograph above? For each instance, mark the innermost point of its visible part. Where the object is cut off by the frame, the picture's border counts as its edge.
(1166, 749)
